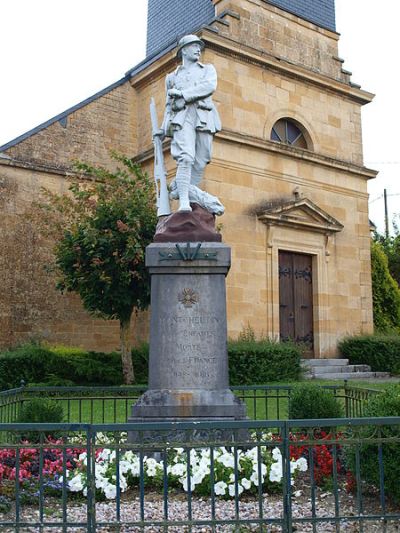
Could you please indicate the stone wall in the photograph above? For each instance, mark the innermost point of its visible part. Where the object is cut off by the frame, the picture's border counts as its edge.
(87, 133)
(30, 306)
(278, 33)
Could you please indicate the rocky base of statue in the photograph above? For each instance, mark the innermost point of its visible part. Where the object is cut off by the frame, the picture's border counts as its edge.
(188, 406)
(197, 225)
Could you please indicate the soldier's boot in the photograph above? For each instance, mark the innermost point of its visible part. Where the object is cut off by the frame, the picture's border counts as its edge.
(182, 183)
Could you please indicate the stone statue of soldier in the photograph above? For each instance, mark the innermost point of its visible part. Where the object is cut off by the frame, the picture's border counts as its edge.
(192, 120)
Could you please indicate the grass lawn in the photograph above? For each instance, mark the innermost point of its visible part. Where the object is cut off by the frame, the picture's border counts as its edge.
(262, 405)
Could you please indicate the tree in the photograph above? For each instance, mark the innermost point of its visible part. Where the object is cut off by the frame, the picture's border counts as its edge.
(391, 247)
(385, 292)
(101, 229)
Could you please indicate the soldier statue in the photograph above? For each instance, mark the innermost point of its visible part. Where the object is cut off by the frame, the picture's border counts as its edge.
(191, 120)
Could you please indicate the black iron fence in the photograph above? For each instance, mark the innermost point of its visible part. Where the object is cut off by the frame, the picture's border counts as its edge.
(278, 475)
(100, 405)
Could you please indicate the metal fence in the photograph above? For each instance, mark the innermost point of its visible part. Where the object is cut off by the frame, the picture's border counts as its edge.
(113, 404)
(313, 475)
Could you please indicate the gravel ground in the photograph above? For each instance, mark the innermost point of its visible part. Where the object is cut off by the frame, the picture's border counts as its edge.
(201, 510)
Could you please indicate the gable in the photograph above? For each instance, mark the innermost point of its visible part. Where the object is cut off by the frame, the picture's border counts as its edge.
(300, 214)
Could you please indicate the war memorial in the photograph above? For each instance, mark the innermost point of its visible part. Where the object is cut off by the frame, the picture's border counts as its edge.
(188, 366)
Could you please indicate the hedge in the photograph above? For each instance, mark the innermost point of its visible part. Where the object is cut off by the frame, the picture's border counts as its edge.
(385, 404)
(250, 362)
(259, 362)
(58, 366)
(380, 352)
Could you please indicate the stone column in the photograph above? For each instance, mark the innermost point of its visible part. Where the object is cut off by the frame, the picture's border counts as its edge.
(188, 367)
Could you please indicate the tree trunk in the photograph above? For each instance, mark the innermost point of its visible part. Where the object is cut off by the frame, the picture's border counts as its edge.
(126, 357)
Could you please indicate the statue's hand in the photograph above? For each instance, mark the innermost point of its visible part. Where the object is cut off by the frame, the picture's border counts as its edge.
(159, 133)
(175, 93)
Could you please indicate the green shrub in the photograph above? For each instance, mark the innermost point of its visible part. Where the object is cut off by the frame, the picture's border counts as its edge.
(30, 363)
(140, 358)
(387, 403)
(39, 410)
(66, 366)
(5, 504)
(385, 292)
(312, 401)
(91, 368)
(380, 352)
(258, 362)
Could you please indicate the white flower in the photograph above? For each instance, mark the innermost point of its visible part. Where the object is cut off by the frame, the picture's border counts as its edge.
(198, 477)
(76, 483)
(177, 470)
(179, 451)
(150, 462)
(227, 460)
(297, 493)
(129, 456)
(205, 452)
(123, 485)
(231, 490)
(124, 466)
(246, 483)
(101, 482)
(302, 464)
(252, 454)
(262, 467)
(83, 458)
(110, 491)
(275, 474)
(254, 476)
(220, 488)
(185, 483)
(276, 454)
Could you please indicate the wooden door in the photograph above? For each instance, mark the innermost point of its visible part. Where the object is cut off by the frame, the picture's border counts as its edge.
(296, 299)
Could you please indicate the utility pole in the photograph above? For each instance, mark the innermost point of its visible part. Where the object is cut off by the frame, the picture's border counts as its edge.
(386, 214)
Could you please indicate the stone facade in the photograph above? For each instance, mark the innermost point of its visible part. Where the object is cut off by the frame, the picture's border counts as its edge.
(271, 65)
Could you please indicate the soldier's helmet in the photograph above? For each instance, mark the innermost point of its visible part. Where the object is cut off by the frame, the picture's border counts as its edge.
(188, 39)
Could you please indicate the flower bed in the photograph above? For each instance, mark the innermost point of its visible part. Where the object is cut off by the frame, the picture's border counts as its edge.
(232, 472)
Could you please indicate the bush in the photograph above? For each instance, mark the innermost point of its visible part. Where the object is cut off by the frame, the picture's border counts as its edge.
(387, 403)
(140, 358)
(380, 352)
(30, 363)
(65, 366)
(5, 504)
(36, 411)
(312, 401)
(385, 292)
(254, 362)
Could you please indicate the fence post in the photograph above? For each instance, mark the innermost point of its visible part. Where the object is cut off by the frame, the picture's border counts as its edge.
(90, 471)
(287, 497)
(346, 400)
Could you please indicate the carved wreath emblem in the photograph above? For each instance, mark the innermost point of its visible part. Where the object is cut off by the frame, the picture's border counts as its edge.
(188, 297)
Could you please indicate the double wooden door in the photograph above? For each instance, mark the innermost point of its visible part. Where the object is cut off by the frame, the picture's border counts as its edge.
(296, 299)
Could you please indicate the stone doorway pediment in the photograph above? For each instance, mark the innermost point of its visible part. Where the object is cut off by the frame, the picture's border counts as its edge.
(301, 214)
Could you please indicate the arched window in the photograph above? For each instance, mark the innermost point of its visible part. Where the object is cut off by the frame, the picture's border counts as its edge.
(287, 131)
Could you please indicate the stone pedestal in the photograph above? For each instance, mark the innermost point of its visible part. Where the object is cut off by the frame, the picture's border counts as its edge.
(188, 367)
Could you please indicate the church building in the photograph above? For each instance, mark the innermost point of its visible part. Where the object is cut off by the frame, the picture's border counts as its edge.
(287, 165)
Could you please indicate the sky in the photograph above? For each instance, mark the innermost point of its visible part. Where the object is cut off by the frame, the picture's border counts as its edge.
(56, 53)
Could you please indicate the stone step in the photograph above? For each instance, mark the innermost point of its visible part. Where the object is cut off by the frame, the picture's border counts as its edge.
(348, 375)
(317, 370)
(324, 362)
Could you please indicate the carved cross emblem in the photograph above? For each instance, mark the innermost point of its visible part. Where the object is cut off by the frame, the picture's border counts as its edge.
(188, 297)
